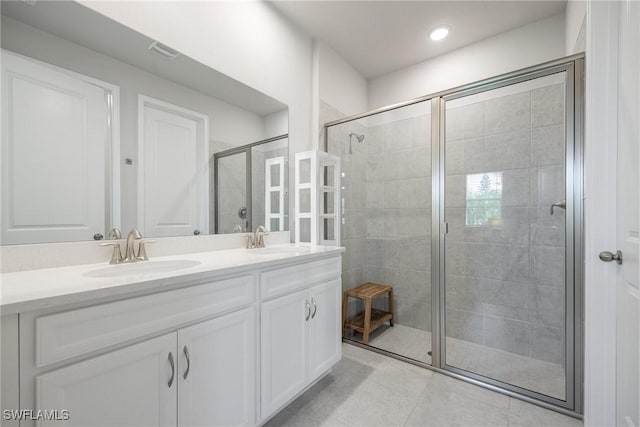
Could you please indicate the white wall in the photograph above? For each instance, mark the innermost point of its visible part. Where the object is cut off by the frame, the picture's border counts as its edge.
(340, 85)
(512, 50)
(575, 20)
(276, 123)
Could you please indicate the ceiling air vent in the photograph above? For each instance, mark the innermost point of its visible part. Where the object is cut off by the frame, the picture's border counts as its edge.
(163, 50)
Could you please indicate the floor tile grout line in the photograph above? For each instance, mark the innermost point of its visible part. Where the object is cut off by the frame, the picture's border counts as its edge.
(419, 399)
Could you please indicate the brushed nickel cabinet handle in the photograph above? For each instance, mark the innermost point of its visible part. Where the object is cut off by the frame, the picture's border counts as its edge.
(315, 308)
(308, 311)
(173, 369)
(186, 355)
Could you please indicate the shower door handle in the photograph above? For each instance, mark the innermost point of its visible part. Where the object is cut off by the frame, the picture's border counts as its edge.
(562, 205)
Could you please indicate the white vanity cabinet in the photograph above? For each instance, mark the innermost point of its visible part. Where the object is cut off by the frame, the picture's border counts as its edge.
(216, 382)
(127, 387)
(185, 357)
(300, 330)
(284, 350)
(325, 329)
(215, 349)
(204, 373)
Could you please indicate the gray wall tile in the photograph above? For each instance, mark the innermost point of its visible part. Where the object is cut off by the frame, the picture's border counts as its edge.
(474, 120)
(508, 113)
(548, 145)
(547, 265)
(547, 105)
(507, 150)
(454, 125)
(547, 185)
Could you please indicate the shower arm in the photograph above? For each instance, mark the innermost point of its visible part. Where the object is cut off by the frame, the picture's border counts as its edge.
(562, 205)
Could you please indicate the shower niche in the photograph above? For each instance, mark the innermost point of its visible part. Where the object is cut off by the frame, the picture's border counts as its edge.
(468, 203)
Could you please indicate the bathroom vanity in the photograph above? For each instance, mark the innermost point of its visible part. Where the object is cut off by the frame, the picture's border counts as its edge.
(217, 338)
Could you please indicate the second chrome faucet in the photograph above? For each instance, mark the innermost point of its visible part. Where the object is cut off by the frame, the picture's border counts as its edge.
(130, 253)
(256, 240)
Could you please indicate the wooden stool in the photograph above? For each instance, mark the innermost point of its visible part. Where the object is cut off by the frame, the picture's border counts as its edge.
(371, 319)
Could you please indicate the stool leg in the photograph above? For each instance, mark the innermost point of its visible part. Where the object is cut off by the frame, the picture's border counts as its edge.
(391, 306)
(345, 300)
(367, 320)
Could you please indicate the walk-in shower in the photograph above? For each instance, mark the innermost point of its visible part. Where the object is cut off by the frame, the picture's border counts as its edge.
(468, 203)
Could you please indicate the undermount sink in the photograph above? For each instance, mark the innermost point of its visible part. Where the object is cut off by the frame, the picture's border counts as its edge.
(275, 250)
(142, 267)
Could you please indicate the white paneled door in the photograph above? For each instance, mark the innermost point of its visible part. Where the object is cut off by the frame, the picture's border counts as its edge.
(54, 136)
(628, 286)
(173, 185)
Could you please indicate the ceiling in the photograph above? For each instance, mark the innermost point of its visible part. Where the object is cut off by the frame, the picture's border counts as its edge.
(377, 37)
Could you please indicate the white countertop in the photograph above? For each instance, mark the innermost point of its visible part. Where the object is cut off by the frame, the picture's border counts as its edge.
(38, 289)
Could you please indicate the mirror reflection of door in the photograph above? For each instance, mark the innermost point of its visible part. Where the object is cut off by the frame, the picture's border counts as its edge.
(55, 131)
(173, 170)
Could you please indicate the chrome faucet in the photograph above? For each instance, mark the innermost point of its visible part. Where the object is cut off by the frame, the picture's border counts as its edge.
(129, 254)
(257, 239)
(115, 234)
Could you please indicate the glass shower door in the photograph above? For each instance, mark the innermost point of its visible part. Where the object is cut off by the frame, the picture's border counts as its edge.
(505, 282)
(386, 216)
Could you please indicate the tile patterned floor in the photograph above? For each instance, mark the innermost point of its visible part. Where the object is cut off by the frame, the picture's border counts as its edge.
(537, 375)
(368, 389)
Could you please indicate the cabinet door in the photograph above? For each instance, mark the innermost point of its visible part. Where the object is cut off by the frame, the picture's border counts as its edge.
(325, 337)
(284, 349)
(217, 374)
(128, 387)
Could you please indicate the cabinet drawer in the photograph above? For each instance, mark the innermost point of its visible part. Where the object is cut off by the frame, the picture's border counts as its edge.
(72, 333)
(289, 279)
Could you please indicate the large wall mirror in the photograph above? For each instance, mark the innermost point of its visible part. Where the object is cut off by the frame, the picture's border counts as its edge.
(103, 127)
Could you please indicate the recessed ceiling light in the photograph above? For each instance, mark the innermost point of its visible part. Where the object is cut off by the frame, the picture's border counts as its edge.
(439, 32)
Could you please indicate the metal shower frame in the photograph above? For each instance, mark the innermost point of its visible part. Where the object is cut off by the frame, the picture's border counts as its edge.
(574, 231)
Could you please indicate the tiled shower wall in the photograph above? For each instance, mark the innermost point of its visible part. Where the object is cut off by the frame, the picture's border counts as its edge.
(398, 223)
(505, 281)
(387, 210)
(353, 168)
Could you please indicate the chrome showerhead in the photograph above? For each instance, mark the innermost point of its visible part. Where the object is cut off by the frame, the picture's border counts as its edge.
(359, 138)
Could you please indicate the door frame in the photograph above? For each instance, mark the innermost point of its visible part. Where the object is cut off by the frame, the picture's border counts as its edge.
(600, 205)
(113, 197)
(202, 121)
